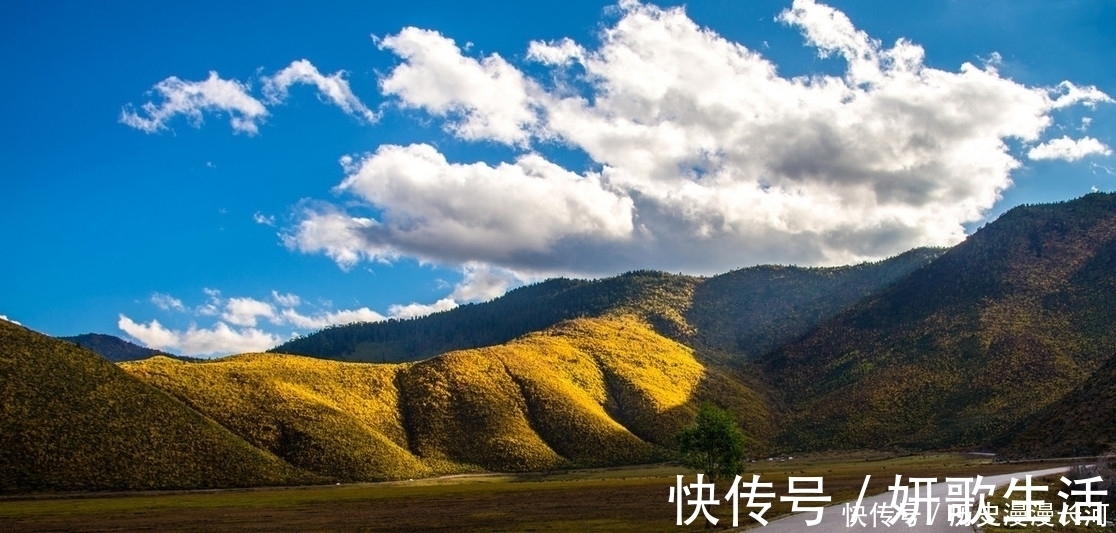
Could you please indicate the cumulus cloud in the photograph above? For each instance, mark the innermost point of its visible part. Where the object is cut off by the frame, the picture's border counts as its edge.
(192, 98)
(1067, 94)
(334, 88)
(708, 159)
(330, 318)
(217, 95)
(286, 300)
(245, 311)
(6, 319)
(484, 99)
(482, 282)
(444, 211)
(1068, 149)
(241, 321)
(167, 302)
(219, 339)
(415, 310)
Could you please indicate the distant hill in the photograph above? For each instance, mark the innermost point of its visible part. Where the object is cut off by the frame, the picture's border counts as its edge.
(970, 349)
(112, 348)
(742, 313)
(70, 420)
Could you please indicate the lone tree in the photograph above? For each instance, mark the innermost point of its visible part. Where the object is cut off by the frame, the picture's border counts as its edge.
(714, 445)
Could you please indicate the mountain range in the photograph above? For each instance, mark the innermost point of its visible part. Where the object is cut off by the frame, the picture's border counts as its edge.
(1004, 342)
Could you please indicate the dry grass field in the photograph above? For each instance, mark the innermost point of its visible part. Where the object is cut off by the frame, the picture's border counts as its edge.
(612, 499)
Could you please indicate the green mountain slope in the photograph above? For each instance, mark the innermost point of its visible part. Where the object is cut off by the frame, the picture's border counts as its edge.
(586, 392)
(752, 311)
(746, 312)
(968, 349)
(70, 420)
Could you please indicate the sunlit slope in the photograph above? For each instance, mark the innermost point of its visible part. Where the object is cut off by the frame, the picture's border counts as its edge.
(587, 392)
(340, 420)
(70, 420)
(966, 351)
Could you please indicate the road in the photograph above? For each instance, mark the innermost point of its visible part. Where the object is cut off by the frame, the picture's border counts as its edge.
(834, 520)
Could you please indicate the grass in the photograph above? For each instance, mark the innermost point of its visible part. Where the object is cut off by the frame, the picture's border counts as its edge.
(612, 499)
(586, 392)
(70, 420)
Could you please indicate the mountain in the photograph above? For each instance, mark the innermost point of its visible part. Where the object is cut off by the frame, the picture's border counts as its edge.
(751, 311)
(743, 313)
(1079, 424)
(585, 392)
(112, 348)
(70, 420)
(969, 350)
(1006, 342)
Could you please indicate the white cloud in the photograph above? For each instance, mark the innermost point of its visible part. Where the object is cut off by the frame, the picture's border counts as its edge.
(709, 159)
(415, 310)
(6, 319)
(443, 211)
(263, 220)
(330, 318)
(334, 87)
(1067, 94)
(192, 98)
(486, 99)
(334, 233)
(217, 340)
(212, 306)
(560, 53)
(239, 327)
(216, 95)
(167, 302)
(245, 311)
(286, 300)
(1068, 149)
(482, 282)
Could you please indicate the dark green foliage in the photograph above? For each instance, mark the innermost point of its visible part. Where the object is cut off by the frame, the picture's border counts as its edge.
(714, 445)
(968, 350)
(743, 313)
(752, 311)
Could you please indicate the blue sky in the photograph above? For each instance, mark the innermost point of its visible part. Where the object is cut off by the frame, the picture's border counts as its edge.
(209, 178)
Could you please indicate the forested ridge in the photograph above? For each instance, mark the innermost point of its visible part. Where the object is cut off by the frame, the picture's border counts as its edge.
(744, 313)
(969, 350)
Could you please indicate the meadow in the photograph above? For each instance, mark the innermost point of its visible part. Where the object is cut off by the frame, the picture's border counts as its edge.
(605, 499)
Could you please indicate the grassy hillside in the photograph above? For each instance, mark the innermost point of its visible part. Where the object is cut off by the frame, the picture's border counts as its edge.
(745, 313)
(586, 392)
(70, 420)
(968, 349)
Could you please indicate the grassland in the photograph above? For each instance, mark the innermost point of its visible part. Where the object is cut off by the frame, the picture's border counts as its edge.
(70, 420)
(586, 392)
(613, 499)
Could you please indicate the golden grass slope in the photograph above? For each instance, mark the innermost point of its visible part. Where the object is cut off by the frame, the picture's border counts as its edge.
(70, 420)
(586, 392)
(340, 420)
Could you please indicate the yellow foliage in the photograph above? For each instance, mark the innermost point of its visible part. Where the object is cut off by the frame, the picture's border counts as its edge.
(586, 392)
